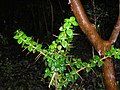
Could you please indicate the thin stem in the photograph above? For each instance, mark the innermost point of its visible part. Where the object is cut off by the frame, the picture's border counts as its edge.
(54, 74)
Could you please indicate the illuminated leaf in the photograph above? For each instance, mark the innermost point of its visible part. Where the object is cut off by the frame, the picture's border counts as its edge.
(19, 40)
(69, 32)
(75, 23)
(28, 39)
(38, 47)
(64, 44)
(62, 36)
(67, 25)
(59, 47)
(30, 48)
(72, 19)
(100, 63)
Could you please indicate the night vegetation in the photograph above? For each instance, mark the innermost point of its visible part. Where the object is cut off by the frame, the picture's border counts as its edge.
(24, 67)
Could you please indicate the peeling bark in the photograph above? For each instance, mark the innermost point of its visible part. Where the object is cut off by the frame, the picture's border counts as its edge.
(100, 45)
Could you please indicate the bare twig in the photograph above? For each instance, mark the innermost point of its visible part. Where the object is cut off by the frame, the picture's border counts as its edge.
(53, 77)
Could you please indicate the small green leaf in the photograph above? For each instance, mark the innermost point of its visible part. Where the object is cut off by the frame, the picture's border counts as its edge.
(93, 63)
(19, 33)
(117, 56)
(88, 69)
(19, 40)
(96, 58)
(69, 32)
(33, 43)
(47, 73)
(24, 36)
(72, 19)
(108, 53)
(100, 63)
(53, 46)
(59, 47)
(61, 28)
(67, 20)
(67, 25)
(62, 36)
(30, 48)
(64, 44)
(28, 40)
(38, 47)
(16, 37)
(57, 56)
(75, 23)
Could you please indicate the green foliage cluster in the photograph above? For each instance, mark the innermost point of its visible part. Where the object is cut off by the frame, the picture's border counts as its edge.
(115, 52)
(61, 69)
(27, 42)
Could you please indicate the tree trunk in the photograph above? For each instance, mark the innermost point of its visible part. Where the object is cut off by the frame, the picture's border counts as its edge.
(109, 75)
(100, 45)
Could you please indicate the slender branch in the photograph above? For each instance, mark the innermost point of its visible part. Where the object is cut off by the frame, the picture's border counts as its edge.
(80, 69)
(52, 79)
(115, 32)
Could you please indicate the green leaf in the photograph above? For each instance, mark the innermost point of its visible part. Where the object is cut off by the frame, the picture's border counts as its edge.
(47, 73)
(100, 63)
(19, 40)
(93, 63)
(64, 44)
(67, 20)
(38, 47)
(84, 64)
(23, 44)
(24, 36)
(61, 28)
(52, 47)
(16, 37)
(59, 47)
(117, 56)
(30, 48)
(33, 43)
(108, 53)
(69, 32)
(67, 25)
(57, 56)
(76, 76)
(96, 58)
(79, 64)
(88, 69)
(28, 40)
(19, 33)
(74, 23)
(62, 36)
(72, 19)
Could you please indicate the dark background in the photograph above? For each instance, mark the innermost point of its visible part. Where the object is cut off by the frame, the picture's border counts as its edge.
(41, 19)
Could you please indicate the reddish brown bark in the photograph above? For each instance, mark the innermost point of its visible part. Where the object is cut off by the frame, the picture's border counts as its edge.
(109, 75)
(100, 45)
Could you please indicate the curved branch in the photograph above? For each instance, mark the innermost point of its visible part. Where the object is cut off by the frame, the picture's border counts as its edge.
(87, 27)
(100, 45)
(115, 32)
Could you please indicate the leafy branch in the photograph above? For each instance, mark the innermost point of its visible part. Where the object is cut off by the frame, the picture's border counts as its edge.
(61, 69)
